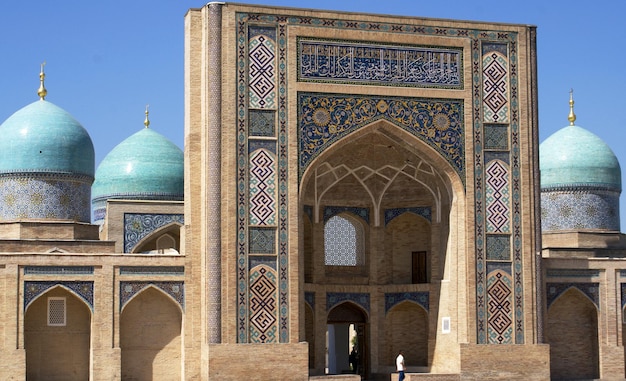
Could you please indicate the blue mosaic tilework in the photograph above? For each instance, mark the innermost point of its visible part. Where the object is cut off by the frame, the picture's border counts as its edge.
(263, 305)
(498, 247)
(379, 64)
(495, 83)
(335, 298)
(497, 197)
(45, 196)
(58, 270)
(309, 297)
(394, 298)
(591, 290)
(572, 273)
(575, 210)
(331, 211)
(175, 289)
(262, 123)
(262, 191)
(262, 260)
(623, 294)
(262, 240)
(500, 307)
(324, 119)
(82, 289)
(137, 226)
(268, 145)
(492, 81)
(422, 211)
(262, 67)
(506, 42)
(152, 270)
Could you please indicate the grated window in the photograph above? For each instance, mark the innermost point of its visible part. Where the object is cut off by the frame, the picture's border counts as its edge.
(56, 311)
(343, 242)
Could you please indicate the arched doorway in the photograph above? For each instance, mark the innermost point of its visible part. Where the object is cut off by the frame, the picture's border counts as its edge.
(347, 340)
(150, 337)
(57, 334)
(572, 332)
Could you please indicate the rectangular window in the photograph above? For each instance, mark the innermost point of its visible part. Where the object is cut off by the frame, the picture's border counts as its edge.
(419, 271)
(56, 311)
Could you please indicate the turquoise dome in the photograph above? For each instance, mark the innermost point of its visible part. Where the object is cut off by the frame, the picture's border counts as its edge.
(145, 166)
(43, 137)
(575, 157)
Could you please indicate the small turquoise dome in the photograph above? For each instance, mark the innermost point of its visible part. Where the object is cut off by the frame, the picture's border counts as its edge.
(575, 157)
(43, 137)
(145, 166)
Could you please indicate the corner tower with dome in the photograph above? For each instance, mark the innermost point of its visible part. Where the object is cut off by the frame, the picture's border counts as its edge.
(584, 252)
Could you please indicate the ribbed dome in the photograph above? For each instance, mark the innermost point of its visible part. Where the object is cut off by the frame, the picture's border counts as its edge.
(575, 157)
(145, 166)
(43, 137)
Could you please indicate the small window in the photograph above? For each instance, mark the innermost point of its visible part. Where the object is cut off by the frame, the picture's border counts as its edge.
(56, 311)
(343, 242)
(419, 263)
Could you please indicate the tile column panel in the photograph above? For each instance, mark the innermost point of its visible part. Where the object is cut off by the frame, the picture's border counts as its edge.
(214, 189)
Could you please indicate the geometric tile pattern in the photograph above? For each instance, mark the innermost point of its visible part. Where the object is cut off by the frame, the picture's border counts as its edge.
(498, 247)
(580, 209)
(175, 289)
(504, 43)
(262, 123)
(33, 196)
(422, 211)
(497, 197)
(324, 119)
(82, 289)
(495, 87)
(331, 211)
(137, 226)
(335, 298)
(500, 308)
(263, 305)
(262, 71)
(370, 63)
(343, 242)
(58, 270)
(497, 184)
(262, 188)
(394, 298)
(496, 136)
(591, 290)
(262, 240)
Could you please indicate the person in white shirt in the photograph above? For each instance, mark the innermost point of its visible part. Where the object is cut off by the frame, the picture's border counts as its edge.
(400, 366)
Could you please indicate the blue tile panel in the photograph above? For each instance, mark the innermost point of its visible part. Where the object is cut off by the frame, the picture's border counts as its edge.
(579, 210)
(373, 63)
(394, 298)
(591, 290)
(82, 289)
(335, 298)
(137, 226)
(324, 119)
(175, 289)
(45, 196)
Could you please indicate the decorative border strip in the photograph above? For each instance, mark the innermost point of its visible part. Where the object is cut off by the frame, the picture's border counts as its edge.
(394, 298)
(152, 270)
(81, 289)
(58, 270)
(374, 63)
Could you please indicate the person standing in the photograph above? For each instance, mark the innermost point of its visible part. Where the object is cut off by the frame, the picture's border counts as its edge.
(400, 366)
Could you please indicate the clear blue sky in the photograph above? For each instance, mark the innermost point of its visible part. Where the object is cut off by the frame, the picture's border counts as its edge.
(107, 59)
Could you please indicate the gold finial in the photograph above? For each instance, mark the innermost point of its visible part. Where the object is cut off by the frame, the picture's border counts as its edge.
(147, 121)
(42, 92)
(571, 117)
